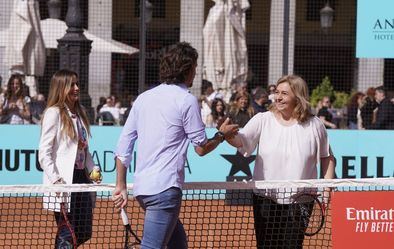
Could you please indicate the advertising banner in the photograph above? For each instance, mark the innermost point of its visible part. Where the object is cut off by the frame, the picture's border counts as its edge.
(359, 154)
(363, 219)
(375, 29)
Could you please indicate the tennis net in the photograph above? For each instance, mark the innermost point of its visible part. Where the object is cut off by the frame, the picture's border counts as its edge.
(215, 215)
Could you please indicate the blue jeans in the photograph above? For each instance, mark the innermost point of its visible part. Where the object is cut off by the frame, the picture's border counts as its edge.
(162, 226)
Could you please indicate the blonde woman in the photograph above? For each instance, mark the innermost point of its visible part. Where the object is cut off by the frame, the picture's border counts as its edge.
(290, 141)
(64, 155)
(241, 110)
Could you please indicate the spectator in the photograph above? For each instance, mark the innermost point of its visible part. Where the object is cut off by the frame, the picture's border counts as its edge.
(271, 92)
(37, 107)
(368, 106)
(208, 94)
(102, 102)
(217, 114)
(385, 112)
(325, 115)
(109, 108)
(353, 110)
(241, 111)
(240, 88)
(260, 101)
(14, 109)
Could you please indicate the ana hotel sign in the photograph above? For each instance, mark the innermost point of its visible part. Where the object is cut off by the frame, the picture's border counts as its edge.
(375, 29)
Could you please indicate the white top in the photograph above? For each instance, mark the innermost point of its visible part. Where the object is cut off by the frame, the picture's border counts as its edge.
(285, 152)
(113, 110)
(206, 109)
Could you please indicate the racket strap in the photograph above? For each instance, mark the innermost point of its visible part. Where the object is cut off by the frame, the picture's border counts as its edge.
(68, 224)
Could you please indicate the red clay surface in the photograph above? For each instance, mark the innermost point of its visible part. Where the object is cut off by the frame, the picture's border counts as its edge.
(208, 224)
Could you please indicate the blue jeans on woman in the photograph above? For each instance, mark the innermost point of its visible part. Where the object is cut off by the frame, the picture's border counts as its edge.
(162, 226)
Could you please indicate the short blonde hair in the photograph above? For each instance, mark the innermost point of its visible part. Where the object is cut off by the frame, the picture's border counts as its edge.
(302, 111)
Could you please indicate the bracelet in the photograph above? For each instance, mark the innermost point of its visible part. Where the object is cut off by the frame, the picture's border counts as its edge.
(220, 136)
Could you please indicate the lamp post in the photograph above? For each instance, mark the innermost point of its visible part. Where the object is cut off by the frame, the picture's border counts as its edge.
(74, 49)
(326, 16)
(146, 9)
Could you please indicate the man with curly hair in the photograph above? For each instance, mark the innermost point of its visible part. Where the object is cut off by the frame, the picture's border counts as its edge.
(164, 119)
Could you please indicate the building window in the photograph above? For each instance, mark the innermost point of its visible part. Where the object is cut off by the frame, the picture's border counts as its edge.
(313, 8)
(158, 8)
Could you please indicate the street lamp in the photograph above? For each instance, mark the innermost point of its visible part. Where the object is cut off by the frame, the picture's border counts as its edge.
(326, 16)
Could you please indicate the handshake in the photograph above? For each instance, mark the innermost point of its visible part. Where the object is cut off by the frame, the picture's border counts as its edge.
(226, 127)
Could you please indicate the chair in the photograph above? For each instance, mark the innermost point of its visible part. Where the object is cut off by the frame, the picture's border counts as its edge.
(106, 118)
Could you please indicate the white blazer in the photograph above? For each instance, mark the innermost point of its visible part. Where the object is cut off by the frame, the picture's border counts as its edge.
(57, 154)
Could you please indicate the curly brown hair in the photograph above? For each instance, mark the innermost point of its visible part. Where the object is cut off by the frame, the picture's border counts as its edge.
(175, 65)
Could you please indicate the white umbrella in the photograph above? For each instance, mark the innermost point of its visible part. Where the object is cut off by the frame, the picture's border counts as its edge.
(225, 58)
(25, 50)
(54, 29)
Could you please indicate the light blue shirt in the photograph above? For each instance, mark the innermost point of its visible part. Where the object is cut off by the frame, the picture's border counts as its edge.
(164, 119)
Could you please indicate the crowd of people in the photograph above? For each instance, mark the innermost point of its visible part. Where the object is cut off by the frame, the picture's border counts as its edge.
(370, 110)
(18, 107)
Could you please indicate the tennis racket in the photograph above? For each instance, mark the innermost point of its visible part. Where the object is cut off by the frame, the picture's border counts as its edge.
(131, 239)
(65, 237)
(311, 210)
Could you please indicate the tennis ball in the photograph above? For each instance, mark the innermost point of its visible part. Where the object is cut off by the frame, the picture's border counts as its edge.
(95, 175)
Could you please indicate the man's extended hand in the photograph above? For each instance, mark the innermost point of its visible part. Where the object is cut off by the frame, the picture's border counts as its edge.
(229, 130)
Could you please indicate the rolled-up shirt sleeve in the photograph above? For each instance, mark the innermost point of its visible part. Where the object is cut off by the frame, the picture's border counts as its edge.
(128, 136)
(193, 125)
(250, 135)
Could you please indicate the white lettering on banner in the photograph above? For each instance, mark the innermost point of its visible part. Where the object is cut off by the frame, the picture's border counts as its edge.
(362, 227)
(382, 227)
(371, 220)
(374, 227)
(369, 214)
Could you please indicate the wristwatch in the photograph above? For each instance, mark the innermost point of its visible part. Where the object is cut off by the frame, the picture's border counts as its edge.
(219, 135)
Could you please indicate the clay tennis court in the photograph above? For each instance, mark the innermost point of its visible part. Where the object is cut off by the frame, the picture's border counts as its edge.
(208, 224)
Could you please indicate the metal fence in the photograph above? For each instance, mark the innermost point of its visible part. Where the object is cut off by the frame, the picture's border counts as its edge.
(312, 38)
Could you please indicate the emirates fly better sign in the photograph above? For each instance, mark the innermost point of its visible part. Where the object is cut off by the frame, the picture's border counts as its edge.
(375, 29)
(363, 219)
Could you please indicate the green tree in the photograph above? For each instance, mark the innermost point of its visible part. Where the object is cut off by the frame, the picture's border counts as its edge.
(341, 99)
(324, 89)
